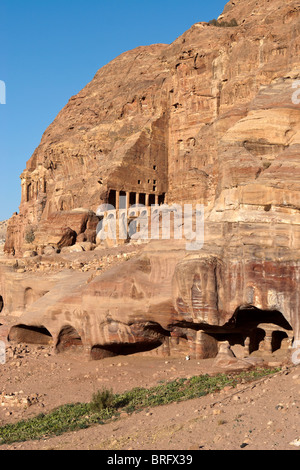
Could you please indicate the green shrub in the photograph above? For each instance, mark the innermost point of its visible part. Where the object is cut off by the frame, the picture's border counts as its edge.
(106, 406)
(103, 399)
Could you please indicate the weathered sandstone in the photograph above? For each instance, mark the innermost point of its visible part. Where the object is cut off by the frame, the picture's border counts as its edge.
(209, 119)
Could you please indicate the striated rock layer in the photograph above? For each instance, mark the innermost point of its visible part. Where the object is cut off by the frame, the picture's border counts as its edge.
(213, 118)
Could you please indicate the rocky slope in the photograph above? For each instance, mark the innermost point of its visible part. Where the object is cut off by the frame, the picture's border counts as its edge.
(209, 118)
(262, 415)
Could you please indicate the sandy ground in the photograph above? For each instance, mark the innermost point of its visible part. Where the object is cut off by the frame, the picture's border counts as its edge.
(261, 416)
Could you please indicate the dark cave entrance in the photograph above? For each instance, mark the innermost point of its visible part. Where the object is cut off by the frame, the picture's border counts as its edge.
(161, 199)
(112, 198)
(251, 317)
(132, 199)
(68, 340)
(257, 336)
(152, 200)
(278, 340)
(254, 329)
(29, 297)
(30, 335)
(28, 192)
(142, 199)
(125, 349)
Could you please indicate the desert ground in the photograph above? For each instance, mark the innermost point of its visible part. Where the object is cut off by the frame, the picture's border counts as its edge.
(210, 119)
(261, 415)
(35, 379)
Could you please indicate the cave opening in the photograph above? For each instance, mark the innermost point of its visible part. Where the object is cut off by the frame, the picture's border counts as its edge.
(29, 297)
(256, 329)
(257, 337)
(147, 337)
(99, 352)
(249, 330)
(279, 340)
(112, 198)
(30, 335)
(132, 199)
(143, 199)
(28, 192)
(151, 199)
(68, 340)
(251, 317)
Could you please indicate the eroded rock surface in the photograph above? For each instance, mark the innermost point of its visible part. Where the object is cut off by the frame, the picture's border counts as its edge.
(213, 118)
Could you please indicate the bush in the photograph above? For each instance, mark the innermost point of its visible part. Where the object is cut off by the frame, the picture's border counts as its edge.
(30, 236)
(224, 24)
(103, 399)
(266, 165)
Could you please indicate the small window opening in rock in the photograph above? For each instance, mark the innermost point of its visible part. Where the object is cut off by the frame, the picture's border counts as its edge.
(251, 317)
(154, 167)
(257, 336)
(28, 195)
(112, 198)
(30, 297)
(125, 349)
(161, 199)
(143, 199)
(151, 200)
(132, 199)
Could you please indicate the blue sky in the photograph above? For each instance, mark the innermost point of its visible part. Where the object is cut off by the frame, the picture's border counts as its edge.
(51, 49)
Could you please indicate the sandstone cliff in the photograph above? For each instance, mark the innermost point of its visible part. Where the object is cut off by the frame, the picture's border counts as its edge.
(211, 119)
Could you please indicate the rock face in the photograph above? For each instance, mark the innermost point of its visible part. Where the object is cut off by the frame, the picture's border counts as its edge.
(213, 118)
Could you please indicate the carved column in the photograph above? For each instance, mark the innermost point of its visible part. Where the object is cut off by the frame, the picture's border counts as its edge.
(24, 190)
(117, 200)
(267, 343)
